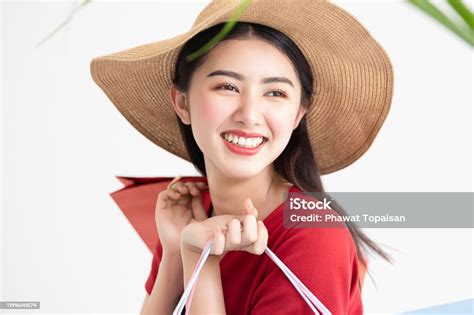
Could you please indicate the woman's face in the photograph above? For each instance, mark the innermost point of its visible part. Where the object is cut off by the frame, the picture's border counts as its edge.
(246, 91)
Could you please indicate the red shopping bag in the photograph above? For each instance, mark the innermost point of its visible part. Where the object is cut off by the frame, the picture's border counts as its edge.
(137, 200)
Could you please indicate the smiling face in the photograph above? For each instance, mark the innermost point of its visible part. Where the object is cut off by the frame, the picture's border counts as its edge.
(244, 103)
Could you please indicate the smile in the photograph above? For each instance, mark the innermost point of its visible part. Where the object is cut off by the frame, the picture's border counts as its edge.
(243, 145)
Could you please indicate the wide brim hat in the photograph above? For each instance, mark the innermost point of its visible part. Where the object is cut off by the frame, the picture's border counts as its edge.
(353, 77)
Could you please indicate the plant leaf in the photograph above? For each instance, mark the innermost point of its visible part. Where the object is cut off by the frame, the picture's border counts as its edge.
(73, 12)
(463, 12)
(424, 5)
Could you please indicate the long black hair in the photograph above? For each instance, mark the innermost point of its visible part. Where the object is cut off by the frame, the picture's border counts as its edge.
(296, 164)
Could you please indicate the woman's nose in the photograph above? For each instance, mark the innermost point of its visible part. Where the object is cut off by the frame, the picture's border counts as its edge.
(249, 111)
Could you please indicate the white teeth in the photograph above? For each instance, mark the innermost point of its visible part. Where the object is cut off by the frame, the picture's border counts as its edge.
(244, 142)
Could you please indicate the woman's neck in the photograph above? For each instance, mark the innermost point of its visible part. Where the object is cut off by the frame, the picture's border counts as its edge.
(266, 190)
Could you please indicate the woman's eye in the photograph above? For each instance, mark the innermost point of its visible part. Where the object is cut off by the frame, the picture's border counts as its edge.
(278, 93)
(228, 87)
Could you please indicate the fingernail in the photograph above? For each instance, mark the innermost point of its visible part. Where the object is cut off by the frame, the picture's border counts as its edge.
(249, 204)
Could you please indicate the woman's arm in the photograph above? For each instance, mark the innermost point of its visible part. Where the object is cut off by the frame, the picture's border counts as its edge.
(227, 233)
(208, 297)
(168, 287)
(176, 207)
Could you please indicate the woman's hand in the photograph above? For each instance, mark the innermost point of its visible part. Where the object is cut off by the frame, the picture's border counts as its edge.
(228, 233)
(177, 206)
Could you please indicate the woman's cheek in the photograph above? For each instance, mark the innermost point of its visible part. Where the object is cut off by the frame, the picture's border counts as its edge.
(208, 109)
(210, 113)
(206, 117)
(281, 126)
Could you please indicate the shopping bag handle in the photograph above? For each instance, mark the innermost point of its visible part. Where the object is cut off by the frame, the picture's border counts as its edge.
(313, 302)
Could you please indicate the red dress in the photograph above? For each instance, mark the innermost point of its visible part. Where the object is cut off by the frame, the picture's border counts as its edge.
(324, 259)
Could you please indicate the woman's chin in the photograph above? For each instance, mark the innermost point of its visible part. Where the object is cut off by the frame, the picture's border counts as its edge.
(239, 173)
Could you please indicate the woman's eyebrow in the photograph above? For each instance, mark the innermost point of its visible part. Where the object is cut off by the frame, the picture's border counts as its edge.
(240, 77)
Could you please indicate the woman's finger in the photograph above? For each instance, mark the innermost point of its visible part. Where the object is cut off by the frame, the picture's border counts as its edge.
(250, 231)
(218, 242)
(173, 181)
(171, 191)
(193, 190)
(201, 185)
(172, 195)
(166, 198)
(249, 208)
(183, 191)
(233, 237)
(197, 186)
(259, 246)
(182, 188)
(199, 213)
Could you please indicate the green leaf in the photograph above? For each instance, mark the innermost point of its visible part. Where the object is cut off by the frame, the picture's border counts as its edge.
(463, 11)
(229, 25)
(424, 5)
(73, 12)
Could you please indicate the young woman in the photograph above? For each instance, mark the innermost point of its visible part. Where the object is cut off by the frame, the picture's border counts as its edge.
(262, 112)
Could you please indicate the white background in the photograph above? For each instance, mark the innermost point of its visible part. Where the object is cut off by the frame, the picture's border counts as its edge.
(65, 243)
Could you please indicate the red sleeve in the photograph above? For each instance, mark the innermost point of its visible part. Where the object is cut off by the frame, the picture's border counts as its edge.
(325, 260)
(150, 282)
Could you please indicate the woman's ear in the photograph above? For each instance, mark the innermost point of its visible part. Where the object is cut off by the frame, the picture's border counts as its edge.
(179, 101)
(299, 116)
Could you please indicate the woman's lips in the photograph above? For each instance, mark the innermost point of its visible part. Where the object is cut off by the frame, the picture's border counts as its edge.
(242, 150)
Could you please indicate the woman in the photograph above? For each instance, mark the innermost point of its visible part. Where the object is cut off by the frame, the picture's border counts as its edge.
(264, 111)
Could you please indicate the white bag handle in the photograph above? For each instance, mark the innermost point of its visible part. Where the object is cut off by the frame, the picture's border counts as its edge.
(313, 302)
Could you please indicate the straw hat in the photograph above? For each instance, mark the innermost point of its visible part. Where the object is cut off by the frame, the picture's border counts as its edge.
(353, 77)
